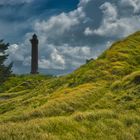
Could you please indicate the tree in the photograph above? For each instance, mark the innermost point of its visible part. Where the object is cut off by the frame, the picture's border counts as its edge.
(5, 70)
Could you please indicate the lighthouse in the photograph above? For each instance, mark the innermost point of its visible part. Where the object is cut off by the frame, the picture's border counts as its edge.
(34, 54)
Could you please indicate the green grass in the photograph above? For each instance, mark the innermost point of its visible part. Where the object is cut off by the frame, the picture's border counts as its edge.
(22, 82)
(98, 101)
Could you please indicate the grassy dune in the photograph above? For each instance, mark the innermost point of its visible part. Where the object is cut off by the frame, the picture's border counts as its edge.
(98, 101)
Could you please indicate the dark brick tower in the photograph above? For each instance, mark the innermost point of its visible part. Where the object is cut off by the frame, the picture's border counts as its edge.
(34, 60)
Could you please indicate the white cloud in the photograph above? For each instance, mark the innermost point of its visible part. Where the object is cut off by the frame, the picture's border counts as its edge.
(110, 11)
(61, 23)
(15, 53)
(108, 22)
(88, 31)
(83, 2)
(114, 26)
(57, 58)
(66, 40)
(65, 57)
(131, 3)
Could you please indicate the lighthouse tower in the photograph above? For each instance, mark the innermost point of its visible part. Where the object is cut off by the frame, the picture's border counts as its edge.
(34, 54)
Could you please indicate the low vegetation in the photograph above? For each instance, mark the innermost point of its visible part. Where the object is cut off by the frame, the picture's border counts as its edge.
(100, 100)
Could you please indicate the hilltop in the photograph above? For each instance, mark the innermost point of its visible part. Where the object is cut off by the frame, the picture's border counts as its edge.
(100, 100)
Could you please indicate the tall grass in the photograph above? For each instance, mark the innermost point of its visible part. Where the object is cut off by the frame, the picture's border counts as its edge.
(98, 101)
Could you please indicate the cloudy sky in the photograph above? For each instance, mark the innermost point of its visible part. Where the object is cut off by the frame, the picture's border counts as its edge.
(69, 31)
